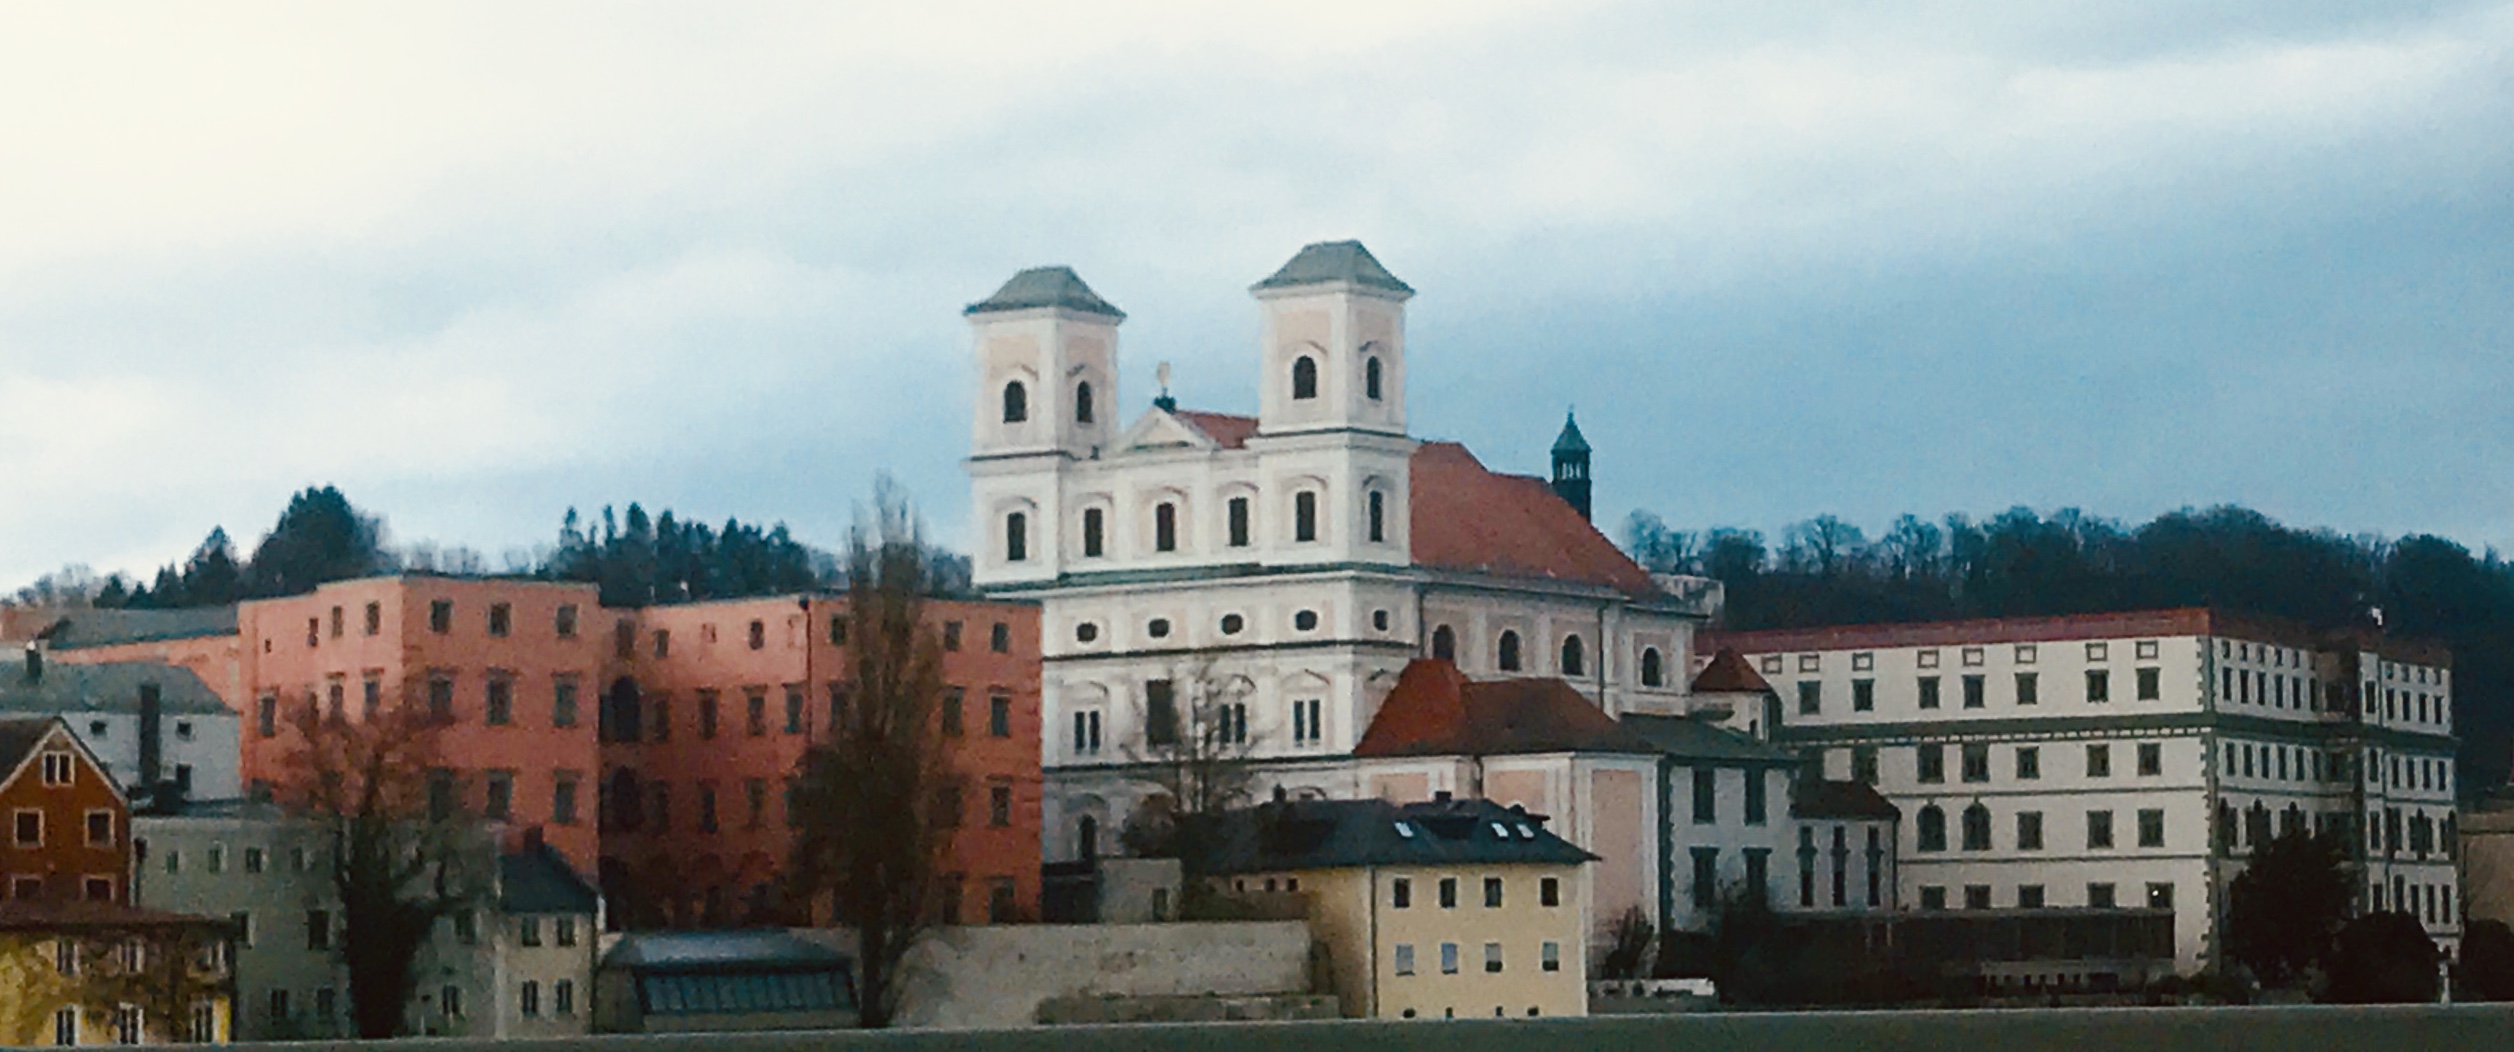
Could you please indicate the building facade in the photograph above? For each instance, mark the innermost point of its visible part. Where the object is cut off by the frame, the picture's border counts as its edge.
(69, 823)
(2128, 760)
(1280, 568)
(156, 729)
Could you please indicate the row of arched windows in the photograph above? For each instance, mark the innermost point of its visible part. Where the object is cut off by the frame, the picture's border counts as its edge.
(1930, 828)
(1017, 402)
(1305, 378)
(1165, 525)
(1572, 661)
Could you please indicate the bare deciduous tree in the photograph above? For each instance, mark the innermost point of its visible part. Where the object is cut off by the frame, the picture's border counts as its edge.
(376, 793)
(877, 800)
(1194, 746)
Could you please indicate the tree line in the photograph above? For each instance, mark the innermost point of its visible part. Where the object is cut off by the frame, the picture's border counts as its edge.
(2021, 563)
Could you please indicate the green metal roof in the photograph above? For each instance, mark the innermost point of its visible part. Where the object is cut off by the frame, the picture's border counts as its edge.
(1570, 441)
(1045, 287)
(1331, 261)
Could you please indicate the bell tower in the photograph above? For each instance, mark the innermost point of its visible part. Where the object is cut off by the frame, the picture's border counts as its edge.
(1571, 466)
(1047, 367)
(1334, 354)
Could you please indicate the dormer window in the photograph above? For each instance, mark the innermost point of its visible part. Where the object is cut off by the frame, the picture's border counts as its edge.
(1304, 378)
(1370, 377)
(1016, 403)
(1405, 831)
(1082, 402)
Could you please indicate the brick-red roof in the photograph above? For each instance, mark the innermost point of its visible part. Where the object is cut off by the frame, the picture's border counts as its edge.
(1435, 710)
(1728, 673)
(1468, 517)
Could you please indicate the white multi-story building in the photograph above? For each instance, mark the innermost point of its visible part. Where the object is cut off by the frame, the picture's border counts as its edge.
(1278, 570)
(2128, 760)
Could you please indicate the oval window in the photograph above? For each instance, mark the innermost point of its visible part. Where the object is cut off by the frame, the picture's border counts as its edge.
(1086, 632)
(1305, 620)
(1159, 628)
(1232, 623)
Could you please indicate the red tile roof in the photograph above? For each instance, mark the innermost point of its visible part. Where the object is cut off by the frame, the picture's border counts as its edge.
(1728, 673)
(1434, 710)
(1470, 518)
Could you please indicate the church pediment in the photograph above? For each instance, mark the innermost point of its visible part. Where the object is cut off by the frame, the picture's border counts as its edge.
(1159, 429)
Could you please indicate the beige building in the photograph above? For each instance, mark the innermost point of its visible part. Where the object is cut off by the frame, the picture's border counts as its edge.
(1450, 909)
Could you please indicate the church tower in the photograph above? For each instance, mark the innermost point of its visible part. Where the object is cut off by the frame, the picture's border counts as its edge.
(1571, 466)
(1047, 394)
(1334, 355)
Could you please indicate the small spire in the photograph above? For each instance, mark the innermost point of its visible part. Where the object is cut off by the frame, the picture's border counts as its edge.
(1570, 441)
(1163, 401)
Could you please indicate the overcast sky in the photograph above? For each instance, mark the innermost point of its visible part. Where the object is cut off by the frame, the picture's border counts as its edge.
(477, 264)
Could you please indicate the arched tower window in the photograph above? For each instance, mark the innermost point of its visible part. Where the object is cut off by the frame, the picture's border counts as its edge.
(1305, 516)
(1016, 537)
(1930, 829)
(1444, 644)
(1304, 377)
(1370, 377)
(1082, 402)
(1087, 838)
(1575, 657)
(1016, 403)
(1653, 671)
(1378, 516)
(1165, 527)
(1093, 533)
(1508, 652)
(1238, 525)
(1977, 828)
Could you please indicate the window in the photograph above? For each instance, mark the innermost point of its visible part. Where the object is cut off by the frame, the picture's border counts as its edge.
(1449, 893)
(501, 700)
(319, 930)
(30, 828)
(563, 622)
(441, 697)
(2100, 896)
(1976, 760)
(1444, 643)
(1810, 697)
(1161, 713)
(1864, 764)
(563, 798)
(501, 788)
(1082, 402)
(1165, 527)
(1977, 828)
(98, 889)
(1508, 651)
(100, 829)
(1863, 695)
(451, 1000)
(2029, 896)
(2028, 689)
(1016, 537)
(838, 630)
(1706, 877)
(1400, 893)
(1933, 897)
(1448, 958)
(563, 997)
(947, 807)
(1492, 957)
(2151, 759)
(1237, 514)
(1653, 671)
(2150, 683)
(1550, 956)
(2098, 684)
(528, 999)
(1304, 378)
(1574, 657)
(2029, 762)
(755, 712)
(1404, 959)
(999, 716)
(65, 1026)
(1930, 829)
(2029, 831)
(1973, 692)
(1016, 403)
(1370, 377)
(1087, 732)
(758, 634)
(1705, 800)
(128, 1024)
(707, 713)
(1549, 892)
(2152, 828)
(2098, 830)
(501, 619)
(2099, 761)
(1305, 516)
(1929, 692)
(2161, 896)
(1933, 762)
(1492, 893)
(1977, 896)
(1755, 796)
(1378, 517)
(999, 805)
(441, 616)
(663, 644)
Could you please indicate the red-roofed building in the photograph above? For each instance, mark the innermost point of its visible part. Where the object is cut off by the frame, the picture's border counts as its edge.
(1268, 577)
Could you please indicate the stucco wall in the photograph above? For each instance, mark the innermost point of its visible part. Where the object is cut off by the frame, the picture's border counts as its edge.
(997, 976)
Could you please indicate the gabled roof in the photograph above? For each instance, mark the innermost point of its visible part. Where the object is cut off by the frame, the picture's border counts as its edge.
(1686, 738)
(19, 737)
(1817, 798)
(1730, 673)
(1341, 834)
(1469, 518)
(1045, 287)
(113, 686)
(1435, 710)
(103, 628)
(1329, 261)
(537, 879)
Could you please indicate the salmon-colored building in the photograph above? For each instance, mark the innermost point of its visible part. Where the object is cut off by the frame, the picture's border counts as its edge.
(515, 665)
(711, 707)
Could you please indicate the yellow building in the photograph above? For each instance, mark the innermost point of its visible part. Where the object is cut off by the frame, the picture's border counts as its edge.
(1448, 909)
(101, 973)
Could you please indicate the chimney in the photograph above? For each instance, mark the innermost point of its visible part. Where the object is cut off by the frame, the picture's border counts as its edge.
(152, 736)
(34, 662)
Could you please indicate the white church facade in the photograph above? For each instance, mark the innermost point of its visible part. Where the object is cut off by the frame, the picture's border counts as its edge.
(1274, 574)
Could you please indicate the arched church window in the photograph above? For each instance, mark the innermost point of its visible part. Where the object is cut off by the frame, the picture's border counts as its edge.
(1370, 377)
(1930, 829)
(1977, 828)
(1087, 838)
(1509, 652)
(1094, 533)
(1016, 403)
(1653, 671)
(1575, 657)
(1082, 402)
(1238, 515)
(1304, 377)
(1165, 527)
(1305, 516)
(1378, 516)
(1016, 537)
(1444, 644)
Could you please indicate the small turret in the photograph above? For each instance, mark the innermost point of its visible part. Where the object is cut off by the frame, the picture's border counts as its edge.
(1571, 466)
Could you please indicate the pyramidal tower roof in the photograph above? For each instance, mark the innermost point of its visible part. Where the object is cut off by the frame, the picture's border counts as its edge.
(1332, 261)
(1045, 287)
(1570, 440)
